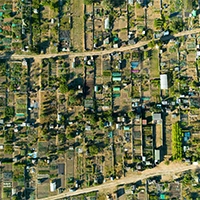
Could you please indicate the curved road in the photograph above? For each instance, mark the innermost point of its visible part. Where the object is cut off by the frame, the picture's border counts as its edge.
(90, 53)
(162, 169)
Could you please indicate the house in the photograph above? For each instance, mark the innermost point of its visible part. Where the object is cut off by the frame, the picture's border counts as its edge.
(163, 82)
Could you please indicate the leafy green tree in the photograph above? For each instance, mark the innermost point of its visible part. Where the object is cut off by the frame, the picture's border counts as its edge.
(72, 100)
(88, 2)
(177, 25)
(93, 149)
(131, 114)
(151, 44)
(63, 88)
(9, 112)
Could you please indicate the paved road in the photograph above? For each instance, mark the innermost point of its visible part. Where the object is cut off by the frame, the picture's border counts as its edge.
(90, 53)
(159, 170)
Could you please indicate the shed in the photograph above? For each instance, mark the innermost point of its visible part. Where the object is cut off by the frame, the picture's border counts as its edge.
(61, 168)
(130, 2)
(157, 155)
(115, 74)
(163, 82)
(194, 13)
(126, 128)
(134, 64)
(116, 95)
(106, 25)
(96, 88)
(157, 116)
(116, 89)
(162, 196)
(52, 186)
(116, 78)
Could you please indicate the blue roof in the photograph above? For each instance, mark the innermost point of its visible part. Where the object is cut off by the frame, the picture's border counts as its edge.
(187, 134)
(134, 64)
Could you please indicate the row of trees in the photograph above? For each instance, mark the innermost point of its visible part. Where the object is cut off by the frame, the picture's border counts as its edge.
(177, 145)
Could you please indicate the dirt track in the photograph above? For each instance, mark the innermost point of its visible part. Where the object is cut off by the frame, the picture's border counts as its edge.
(89, 53)
(162, 169)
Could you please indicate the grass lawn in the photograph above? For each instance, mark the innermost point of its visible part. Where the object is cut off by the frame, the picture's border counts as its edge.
(154, 69)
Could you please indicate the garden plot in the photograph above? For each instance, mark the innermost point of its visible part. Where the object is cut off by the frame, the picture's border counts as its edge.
(140, 17)
(136, 90)
(20, 105)
(154, 68)
(42, 149)
(18, 175)
(18, 77)
(148, 140)
(45, 35)
(89, 28)
(79, 173)
(152, 14)
(120, 26)
(65, 26)
(43, 189)
(98, 63)
(78, 25)
(70, 164)
(131, 16)
(48, 106)
(125, 103)
(108, 167)
(158, 135)
(191, 72)
(3, 100)
(34, 75)
(155, 90)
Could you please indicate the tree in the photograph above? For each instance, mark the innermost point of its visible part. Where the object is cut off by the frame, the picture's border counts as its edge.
(88, 2)
(72, 100)
(151, 44)
(107, 4)
(177, 25)
(131, 114)
(93, 149)
(63, 88)
(9, 112)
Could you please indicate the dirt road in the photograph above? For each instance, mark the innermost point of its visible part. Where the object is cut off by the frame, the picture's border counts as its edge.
(90, 53)
(162, 169)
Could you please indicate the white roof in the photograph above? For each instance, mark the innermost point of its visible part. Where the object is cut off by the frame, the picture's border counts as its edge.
(107, 23)
(52, 186)
(163, 82)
